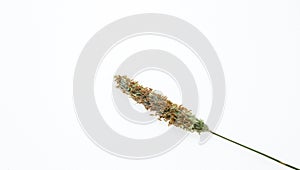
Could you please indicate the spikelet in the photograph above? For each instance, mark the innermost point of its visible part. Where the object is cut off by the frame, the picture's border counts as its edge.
(161, 107)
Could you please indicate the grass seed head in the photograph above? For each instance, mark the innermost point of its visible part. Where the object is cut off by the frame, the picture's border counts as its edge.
(161, 107)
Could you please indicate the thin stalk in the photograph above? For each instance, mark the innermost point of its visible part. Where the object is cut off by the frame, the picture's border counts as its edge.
(274, 159)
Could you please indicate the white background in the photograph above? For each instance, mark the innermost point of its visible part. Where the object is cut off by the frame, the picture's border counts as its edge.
(257, 43)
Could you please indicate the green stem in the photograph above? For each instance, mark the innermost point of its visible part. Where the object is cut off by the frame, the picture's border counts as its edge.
(276, 160)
